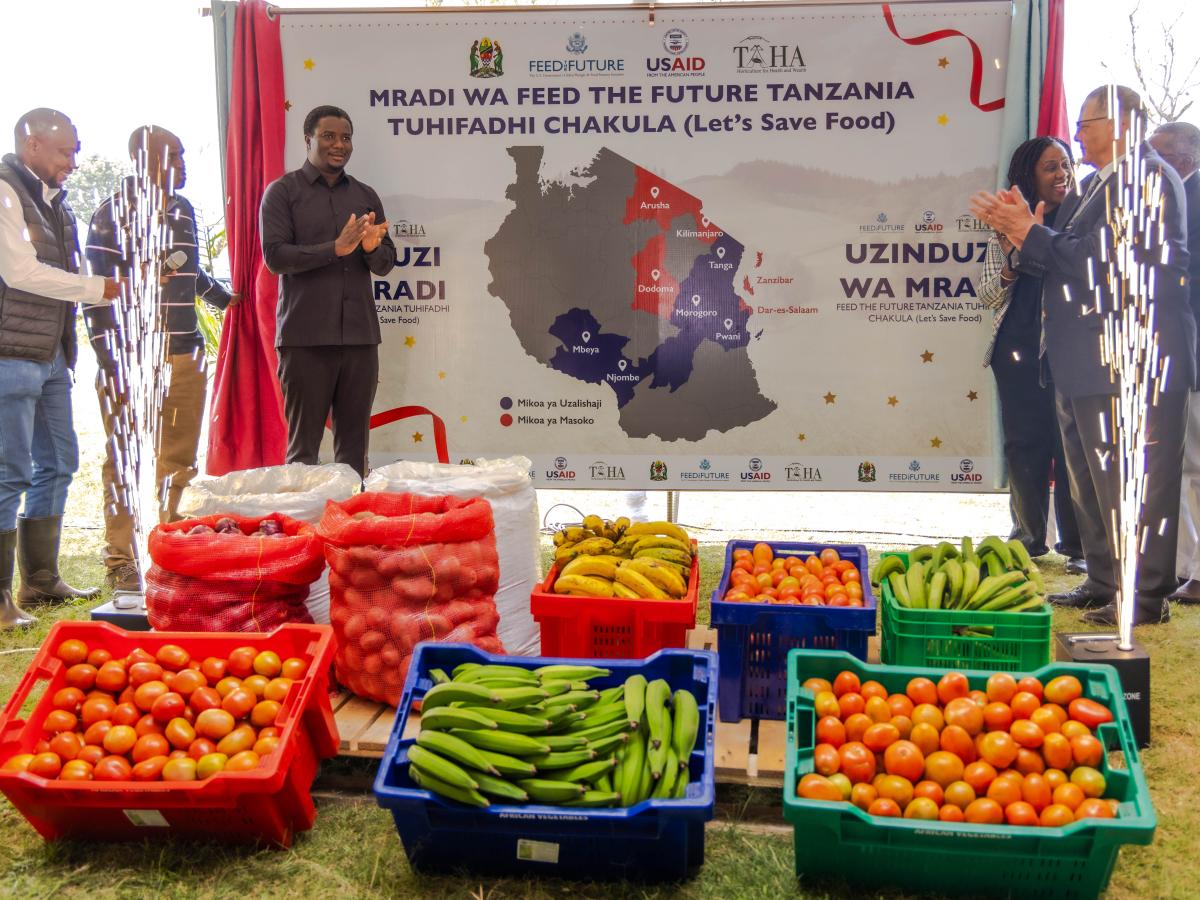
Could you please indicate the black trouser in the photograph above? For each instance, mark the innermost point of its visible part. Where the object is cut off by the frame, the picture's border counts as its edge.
(1032, 448)
(320, 381)
(1096, 487)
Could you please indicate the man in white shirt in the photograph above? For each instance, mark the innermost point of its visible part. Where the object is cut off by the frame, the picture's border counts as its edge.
(39, 287)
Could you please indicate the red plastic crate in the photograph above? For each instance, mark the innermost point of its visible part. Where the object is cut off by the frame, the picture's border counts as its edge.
(613, 627)
(266, 805)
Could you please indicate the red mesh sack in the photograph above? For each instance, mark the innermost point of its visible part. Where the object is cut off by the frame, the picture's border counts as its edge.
(405, 568)
(231, 582)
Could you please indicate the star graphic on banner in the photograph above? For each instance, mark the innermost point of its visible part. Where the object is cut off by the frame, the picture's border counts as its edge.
(462, 418)
(802, 436)
(927, 356)
(831, 397)
(935, 442)
(441, 374)
(287, 105)
(943, 119)
(410, 341)
(943, 62)
(892, 401)
(418, 437)
(308, 64)
(972, 396)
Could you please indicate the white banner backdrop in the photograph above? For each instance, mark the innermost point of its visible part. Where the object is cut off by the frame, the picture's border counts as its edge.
(728, 250)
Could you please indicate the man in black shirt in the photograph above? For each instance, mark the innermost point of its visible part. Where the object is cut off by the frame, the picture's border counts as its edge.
(325, 233)
(115, 243)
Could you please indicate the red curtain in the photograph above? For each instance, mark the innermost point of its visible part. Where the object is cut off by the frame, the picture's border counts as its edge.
(247, 427)
(1052, 113)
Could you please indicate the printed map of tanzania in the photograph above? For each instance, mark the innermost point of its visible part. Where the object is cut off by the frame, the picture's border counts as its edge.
(623, 281)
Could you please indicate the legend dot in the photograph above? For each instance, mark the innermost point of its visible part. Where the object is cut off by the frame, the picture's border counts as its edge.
(506, 420)
(506, 402)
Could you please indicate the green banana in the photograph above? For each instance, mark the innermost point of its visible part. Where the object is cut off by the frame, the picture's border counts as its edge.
(470, 797)
(645, 784)
(665, 786)
(441, 768)
(503, 742)
(656, 756)
(937, 587)
(993, 544)
(604, 782)
(632, 767)
(920, 554)
(446, 717)
(563, 672)
(685, 726)
(681, 785)
(589, 771)
(577, 699)
(954, 576)
(610, 743)
(546, 791)
(600, 715)
(453, 691)
(563, 759)
(968, 551)
(495, 670)
(456, 749)
(462, 668)
(595, 798)
(521, 723)
(993, 565)
(899, 583)
(1006, 598)
(509, 766)
(559, 742)
(970, 582)
(651, 542)
(558, 688)
(915, 577)
(992, 585)
(635, 698)
(498, 787)
(657, 694)
(438, 676)
(886, 566)
(1020, 555)
(516, 697)
(612, 694)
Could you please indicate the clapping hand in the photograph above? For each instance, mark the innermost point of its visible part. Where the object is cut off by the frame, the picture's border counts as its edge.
(373, 233)
(352, 235)
(1007, 212)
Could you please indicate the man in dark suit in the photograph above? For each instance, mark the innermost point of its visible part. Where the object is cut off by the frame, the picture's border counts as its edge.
(1071, 260)
(1178, 143)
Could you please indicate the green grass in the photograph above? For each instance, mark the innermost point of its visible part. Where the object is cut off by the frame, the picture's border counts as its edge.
(353, 850)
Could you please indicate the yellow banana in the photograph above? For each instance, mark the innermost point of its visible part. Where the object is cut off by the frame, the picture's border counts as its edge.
(576, 533)
(678, 557)
(593, 546)
(665, 543)
(594, 524)
(640, 584)
(604, 566)
(594, 587)
(661, 574)
(559, 537)
(619, 590)
(665, 529)
(622, 523)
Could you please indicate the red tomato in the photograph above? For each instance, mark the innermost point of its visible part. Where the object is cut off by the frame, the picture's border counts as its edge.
(149, 745)
(1063, 689)
(201, 747)
(846, 683)
(81, 676)
(1089, 712)
(214, 724)
(119, 740)
(91, 754)
(72, 652)
(59, 720)
(214, 669)
(112, 677)
(1030, 685)
(68, 698)
(141, 672)
(882, 806)
(921, 690)
(179, 769)
(826, 760)
(167, 707)
(858, 762)
(97, 709)
(951, 686)
(1001, 687)
(239, 702)
(173, 657)
(180, 733)
(66, 744)
(98, 657)
(149, 769)
(112, 768)
(147, 693)
(76, 770)
(241, 662)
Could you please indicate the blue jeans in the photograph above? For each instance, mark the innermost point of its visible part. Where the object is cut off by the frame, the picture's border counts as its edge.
(38, 449)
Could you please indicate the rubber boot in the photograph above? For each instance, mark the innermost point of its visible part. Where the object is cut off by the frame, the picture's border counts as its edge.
(37, 558)
(11, 615)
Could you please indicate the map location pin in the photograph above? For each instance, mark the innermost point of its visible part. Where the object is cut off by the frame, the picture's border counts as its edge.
(695, 299)
(728, 324)
(720, 253)
(654, 273)
(621, 364)
(654, 192)
(704, 221)
(587, 336)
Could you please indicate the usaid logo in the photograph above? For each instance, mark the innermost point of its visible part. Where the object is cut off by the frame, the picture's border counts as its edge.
(602, 471)
(561, 471)
(675, 41)
(928, 222)
(966, 473)
(756, 473)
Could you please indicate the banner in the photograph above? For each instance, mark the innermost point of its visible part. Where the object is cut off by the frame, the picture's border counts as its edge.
(730, 249)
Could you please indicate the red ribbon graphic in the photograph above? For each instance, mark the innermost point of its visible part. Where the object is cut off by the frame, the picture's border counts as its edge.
(976, 57)
(405, 412)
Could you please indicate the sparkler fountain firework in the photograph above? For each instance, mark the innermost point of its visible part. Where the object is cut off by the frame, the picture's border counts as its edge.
(141, 374)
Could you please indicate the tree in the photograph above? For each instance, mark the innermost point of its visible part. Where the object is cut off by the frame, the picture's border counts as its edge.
(91, 184)
(1167, 78)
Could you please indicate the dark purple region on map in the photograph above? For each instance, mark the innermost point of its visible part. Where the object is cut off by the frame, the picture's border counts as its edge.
(589, 355)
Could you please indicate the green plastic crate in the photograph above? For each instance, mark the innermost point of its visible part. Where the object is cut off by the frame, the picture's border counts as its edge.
(838, 840)
(1020, 642)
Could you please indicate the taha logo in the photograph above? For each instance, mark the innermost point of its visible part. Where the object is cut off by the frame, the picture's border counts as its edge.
(966, 473)
(866, 472)
(658, 470)
(602, 471)
(967, 222)
(757, 54)
(487, 59)
(797, 472)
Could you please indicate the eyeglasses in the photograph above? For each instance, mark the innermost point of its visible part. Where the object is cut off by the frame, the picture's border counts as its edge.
(1083, 122)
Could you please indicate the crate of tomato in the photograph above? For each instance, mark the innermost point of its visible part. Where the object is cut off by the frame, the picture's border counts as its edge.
(980, 782)
(805, 596)
(135, 735)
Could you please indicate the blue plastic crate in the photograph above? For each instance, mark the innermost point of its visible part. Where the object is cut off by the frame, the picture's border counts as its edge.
(753, 639)
(655, 840)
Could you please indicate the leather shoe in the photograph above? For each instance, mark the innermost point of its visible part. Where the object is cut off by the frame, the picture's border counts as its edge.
(1146, 612)
(1188, 592)
(124, 578)
(1085, 596)
(1076, 565)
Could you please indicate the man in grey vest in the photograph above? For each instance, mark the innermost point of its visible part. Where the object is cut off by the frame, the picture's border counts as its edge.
(39, 287)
